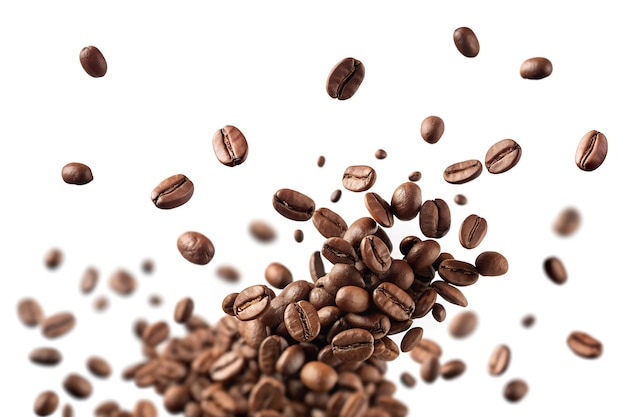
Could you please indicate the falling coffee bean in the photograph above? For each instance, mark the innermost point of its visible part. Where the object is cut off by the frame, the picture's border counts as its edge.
(172, 192)
(230, 146)
(93, 61)
(591, 151)
(58, 325)
(293, 204)
(584, 345)
(53, 258)
(432, 129)
(466, 42)
(473, 230)
(46, 403)
(555, 270)
(195, 247)
(77, 386)
(567, 222)
(345, 78)
(122, 282)
(47, 356)
(76, 173)
(502, 156)
(462, 172)
(515, 390)
(30, 312)
(359, 178)
(535, 68)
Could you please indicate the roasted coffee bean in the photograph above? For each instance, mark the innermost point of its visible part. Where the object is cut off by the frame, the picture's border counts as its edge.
(466, 42)
(499, 360)
(298, 235)
(145, 408)
(567, 222)
(195, 247)
(147, 266)
(423, 254)
(316, 266)
(29, 312)
(390, 350)
(227, 366)
(415, 176)
(399, 273)
(293, 204)
(502, 156)
(228, 273)
(139, 326)
(515, 390)
(457, 272)
(452, 369)
(155, 300)
(407, 243)
(472, 231)
(76, 173)
(393, 301)
(424, 349)
(352, 299)
(408, 380)
(358, 178)
(230, 146)
(122, 282)
(329, 223)
(93, 62)
(77, 386)
(429, 371)
(395, 407)
(360, 228)
(432, 129)
(155, 333)
(462, 172)
(434, 218)
(89, 280)
(302, 321)
(183, 310)
(411, 339)
(591, 150)
(329, 315)
(449, 293)
(252, 302)
(345, 78)
(172, 192)
(101, 303)
(335, 196)
(379, 209)
(535, 68)
(107, 408)
(228, 303)
(338, 250)
(267, 394)
(528, 320)
(291, 360)
(269, 352)
(321, 160)
(58, 325)
(460, 199)
(278, 275)
(68, 411)
(555, 270)
(584, 345)
(99, 367)
(463, 324)
(380, 154)
(176, 397)
(491, 264)
(424, 303)
(262, 231)
(318, 376)
(46, 403)
(353, 345)
(439, 312)
(442, 257)
(45, 356)
(378, 324)
(53, 258)
(375, 254)
(406, 201)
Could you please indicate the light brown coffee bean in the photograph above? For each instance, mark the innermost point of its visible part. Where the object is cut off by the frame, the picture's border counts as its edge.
(358, 178)
(338, 250)
(449, 293)
(567, 222)
(107, 408)
(58, 325)
(379, 209)
(460, 199)
(172, 192)
(434, 218)
(408, 380)
(195, 247)
(93, 62)
(457, 272)
(99, 366)
(267, 394)
(591, 151)
(406, 201)
(176, 397)
(293, 204)
(227, 366)
(535, 68)
(584, 345)
(46, 403)
(262, 231)
(76, 173)
(101, 303)
(375, 254)
(228, 273)
(555, 270)
(155, 333)
(429, 371)
(352, 299)
(491, 264)
(462, 172)
(345, 78)
(499, 360)
(329, 223)
(463, 324)
(278, 275)
(252, 302)
(432, 129)
(29, 312)
(302, 321)
(53, 258)
(89, 280)
(144, 408)
(316, 266)
(424, 349)
(183, 310)
(68, 411)
(502, 156)
(122, 282)
(472, 231)
(45, 356)
(466, 42)
(77, 386)
(452, 369)
(230, 146)
(515, 390)
(353, 345)
(393, 301)
(415, 176)
(318, 376)
(411, 339)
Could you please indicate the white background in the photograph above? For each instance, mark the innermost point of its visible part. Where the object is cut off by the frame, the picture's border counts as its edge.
(178, 71)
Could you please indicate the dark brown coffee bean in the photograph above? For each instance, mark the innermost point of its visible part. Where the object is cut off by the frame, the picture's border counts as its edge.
(53, 258)
(145, 408)
(424, 302)
(58, 325)
(378, 324)
(380, 154)
(68, 411)
(452, 369)
(491, 264)
(29, 312)
(463, 324)
(415, 176)
(406, 201)
(407, 243)
(195, 247)
(107, 408)
(360, 228)
(439, 312)
(155, 333)
(328, 315)
(147, 266)
(46, 403)
(466, 42)
(423, 254)
(316, 266)
(472, 231)
(293, 204)
(302, 321)
(379, 209)
(122, 282)
(278, 275)
(502, 156)
(567, 222)
(230, 146)
(252, 302)
(424, 349)
(291, 360)
(393, 301)
(228, 303)
(462, 172)
(93, 62)
(375, 254)
(318, 376)
(227, 366)
(584, 345)
(400, 274)
(408, 380)
(298, 235)
(457, 272)
(269, 352)
(435, 218)
(555, 270)
(155, 300)
(176, 397)
(77, 386)
(99, 367)
(430, 369)
(345, 78)
(442, 257)
(358, 178)
(335, 196)
(267, 394)
(499, 360)
(460, 199)
(89, 280)
(183, 310)
(535, 68)
(139, 326)
(411, 339)
(432, 129)
(329, 223)
(172, 192)
(338, 250)
(45, 356)
(353, 345)
(321, 160)
(228, 273)
(591, 150)
(449, 293)
(352, 299)
(515, 390)
(76, 173)
(528, 320)
(262, 231)
(101, 303)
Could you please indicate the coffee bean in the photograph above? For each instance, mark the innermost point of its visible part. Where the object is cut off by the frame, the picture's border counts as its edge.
(502, 156)
(89, 280)
(46, 403)
(172, 192)
(335, 196)
(195, 247)
(155, 300)
(107, 408)
(228, 273)
(58, 325)
(345, 78)
(147, 266)
(452, 369)
(535, 68)
(379, 209)
(449, 293)
(29, 312)
(101, 303)
(432, 129)
(122, 282)
(407, 243)
(278, 275)
(399, 273)
(228, 303)
(227, 366)
(435, 218)
(466, 42)
(439, 312)
(352, 299)
(460, 199)
(318, 376)
(321, 160)
(555, 270)
(139, 326)
(515, 390)
(176, 397)
(406, 201)
(329, 223)
(380, 154)
(463, 324)
(567, 222)
(473, 230)
(316, 266)
(76, 173)
(491, 263)
(411, 339)
(155, 333)
(45, 356)
(393, 301)
(375, 254)
(145, 408)
(338, 250)
(499, 360)
(68, 411)
(293, 204)
(457, 272)
(408, 380)
(415, 176)
(442, 257)
(291, 360)
(302, 321)
(77, 386)
(353, 345)
(268, 393)
(252, 302)
(422, 254)
(584, 345)
(424, 349)
(99, 367)
(360, 228)
(230, 146)
(528, 320)
(358, 178)
(462, 172)
(53, 258)
(429, 371)
(93, 61)
(591, 151)
(298, 235)
(262, 231)
(183, 310)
